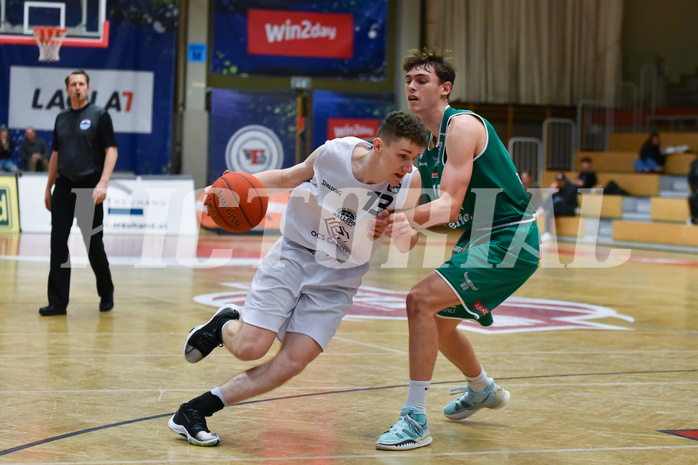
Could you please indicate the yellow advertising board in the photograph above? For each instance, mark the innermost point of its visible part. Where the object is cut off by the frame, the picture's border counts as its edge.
(9, 205)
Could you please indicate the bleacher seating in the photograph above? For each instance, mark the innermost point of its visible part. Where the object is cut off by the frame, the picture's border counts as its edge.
(652, 213)
(608, 161)
(622, 162)
(632, 141)
(655, 233)
(679, 163)
(669, 209)
(643, 184)
(656, 209)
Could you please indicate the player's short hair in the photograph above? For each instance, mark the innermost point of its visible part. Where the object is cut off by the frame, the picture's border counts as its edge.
(78, 71)
(400, 124)
(434, 58)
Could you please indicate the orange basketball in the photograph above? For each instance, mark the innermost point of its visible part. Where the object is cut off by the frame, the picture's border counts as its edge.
(237, 202)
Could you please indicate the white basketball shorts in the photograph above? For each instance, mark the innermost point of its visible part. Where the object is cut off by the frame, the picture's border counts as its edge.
(293, 292)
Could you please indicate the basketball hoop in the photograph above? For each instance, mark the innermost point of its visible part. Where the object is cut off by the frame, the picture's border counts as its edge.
(49, 39)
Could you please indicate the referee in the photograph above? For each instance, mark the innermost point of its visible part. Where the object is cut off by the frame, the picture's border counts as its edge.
(83, 159)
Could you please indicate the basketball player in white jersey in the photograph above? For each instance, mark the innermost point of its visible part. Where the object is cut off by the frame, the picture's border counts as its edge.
(337, 211)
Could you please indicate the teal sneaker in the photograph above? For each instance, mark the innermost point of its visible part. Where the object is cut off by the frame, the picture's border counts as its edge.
(493, 397)
(410, 431)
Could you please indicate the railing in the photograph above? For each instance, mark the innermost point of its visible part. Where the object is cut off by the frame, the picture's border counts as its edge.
(674, 122)
(560, 142)
(528, 155)
(593, 125)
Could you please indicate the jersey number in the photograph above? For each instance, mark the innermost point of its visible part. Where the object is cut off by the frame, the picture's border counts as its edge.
(384, 201)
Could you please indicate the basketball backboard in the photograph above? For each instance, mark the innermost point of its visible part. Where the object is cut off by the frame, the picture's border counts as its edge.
(84, 20)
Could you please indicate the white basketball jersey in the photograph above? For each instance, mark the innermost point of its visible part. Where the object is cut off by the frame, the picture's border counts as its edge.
(330, 213)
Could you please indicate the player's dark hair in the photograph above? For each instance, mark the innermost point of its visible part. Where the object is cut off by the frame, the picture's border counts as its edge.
(434, 58)
(400, 124)
(79, 71)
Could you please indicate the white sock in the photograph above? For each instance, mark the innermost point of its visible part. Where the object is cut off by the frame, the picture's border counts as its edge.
(217, 392)
(480, 382)
(417, 395)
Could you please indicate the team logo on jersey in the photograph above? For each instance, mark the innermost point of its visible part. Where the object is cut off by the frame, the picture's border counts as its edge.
(252, 149)
(467, 283)
(514, 315)
(394, 189)
(337, 230)
(85, 124)
(347, 215)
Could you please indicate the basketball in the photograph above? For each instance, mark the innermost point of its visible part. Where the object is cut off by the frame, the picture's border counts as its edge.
(237, 202)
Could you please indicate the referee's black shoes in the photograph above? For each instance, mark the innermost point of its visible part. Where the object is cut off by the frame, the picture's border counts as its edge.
(106, 304)
(51, 310)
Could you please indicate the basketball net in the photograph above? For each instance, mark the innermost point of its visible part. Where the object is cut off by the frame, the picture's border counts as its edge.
(49, 39)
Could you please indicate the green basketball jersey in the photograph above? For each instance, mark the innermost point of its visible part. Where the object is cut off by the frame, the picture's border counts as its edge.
(495, 195)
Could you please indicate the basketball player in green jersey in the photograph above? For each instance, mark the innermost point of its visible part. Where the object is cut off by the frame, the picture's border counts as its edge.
(473, 186)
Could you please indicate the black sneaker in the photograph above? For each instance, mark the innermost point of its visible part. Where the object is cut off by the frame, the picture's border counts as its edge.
(191, 424)
(51, 310)
(106, 304)
(204, 338)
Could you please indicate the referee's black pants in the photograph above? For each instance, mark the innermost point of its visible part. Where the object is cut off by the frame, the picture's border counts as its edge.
(74, 199)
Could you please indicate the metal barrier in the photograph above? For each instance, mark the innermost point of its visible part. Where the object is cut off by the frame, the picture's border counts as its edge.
(672, 123)
(560, 142)
(647, 92)
(527, 155)
(626, 111)
(593, 125)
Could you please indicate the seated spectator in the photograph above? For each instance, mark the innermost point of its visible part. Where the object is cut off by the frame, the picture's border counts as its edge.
(34, 151)
(534, 194)
(587, 179)
(693, 196)
(526, 179)
(652, 158)
(587, 176)
(560, 201)
(6, 148)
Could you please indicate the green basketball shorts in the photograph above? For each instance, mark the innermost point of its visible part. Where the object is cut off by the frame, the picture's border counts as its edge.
(486, 271)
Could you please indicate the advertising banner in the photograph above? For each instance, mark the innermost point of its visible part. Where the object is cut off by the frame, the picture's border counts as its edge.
(286, 33)
(134, 205)
(9, 206)
(251, 131)
(38, 94)
(340, 115)
(322, 39)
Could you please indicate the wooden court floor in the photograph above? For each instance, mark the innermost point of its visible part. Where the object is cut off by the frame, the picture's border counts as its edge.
(598, 350)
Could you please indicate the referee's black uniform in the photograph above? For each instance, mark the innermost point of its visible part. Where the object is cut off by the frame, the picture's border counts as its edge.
(80, 137)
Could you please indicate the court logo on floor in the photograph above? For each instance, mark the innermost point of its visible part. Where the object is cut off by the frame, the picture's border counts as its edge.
(684, 433)
(515, 315)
